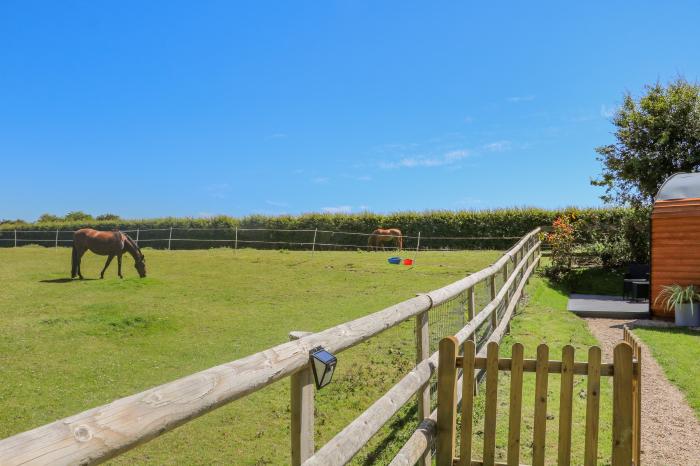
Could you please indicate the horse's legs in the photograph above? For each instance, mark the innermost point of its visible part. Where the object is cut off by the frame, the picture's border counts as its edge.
(119, 262)
(109, 260)
(80, 259)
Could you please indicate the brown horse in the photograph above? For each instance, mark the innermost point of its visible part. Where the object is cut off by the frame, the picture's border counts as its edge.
(105, 243)
(381, 236)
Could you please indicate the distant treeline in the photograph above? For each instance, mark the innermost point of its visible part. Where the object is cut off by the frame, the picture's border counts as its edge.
(437, 228)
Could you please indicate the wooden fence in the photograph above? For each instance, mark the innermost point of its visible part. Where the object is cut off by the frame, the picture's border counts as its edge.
(101, 433)
(625, 371)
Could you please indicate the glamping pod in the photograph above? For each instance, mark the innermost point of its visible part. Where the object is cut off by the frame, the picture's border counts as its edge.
(675, 237)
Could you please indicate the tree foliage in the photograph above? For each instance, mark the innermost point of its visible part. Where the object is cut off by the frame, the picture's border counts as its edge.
(657, 136)
(77, 216)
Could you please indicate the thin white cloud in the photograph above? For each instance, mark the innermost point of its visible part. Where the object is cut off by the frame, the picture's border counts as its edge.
(607, 111)
(447, 158)
(320, 180)
(497, 146)
(468, 119)
(278, 136)
(341, 209)
(521, 98)
(364, 178)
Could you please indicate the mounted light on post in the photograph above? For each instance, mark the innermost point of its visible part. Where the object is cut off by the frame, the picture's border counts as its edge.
(323, 365)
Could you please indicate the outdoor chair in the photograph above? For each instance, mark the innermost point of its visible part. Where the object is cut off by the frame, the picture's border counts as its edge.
(635, 282)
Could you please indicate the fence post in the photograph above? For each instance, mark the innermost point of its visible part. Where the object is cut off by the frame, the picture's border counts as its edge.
(15, 238)
(302, 408)
(447, 401)
(471, 304)
(494, 315)
(313, 246)
(170, 238)
(235, 247)
(417, 248)
(138, 231)
(56, 238)
(622, 405)
(423, 395)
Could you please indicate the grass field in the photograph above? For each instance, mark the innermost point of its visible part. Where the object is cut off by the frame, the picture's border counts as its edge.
(677, 350)
(66, 346)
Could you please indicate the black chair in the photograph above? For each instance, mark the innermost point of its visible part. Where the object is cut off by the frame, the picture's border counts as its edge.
(638, 273)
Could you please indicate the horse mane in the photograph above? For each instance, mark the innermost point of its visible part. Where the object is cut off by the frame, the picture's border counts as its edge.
(133, 244)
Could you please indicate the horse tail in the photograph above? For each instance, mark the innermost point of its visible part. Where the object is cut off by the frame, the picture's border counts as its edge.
(74, 262)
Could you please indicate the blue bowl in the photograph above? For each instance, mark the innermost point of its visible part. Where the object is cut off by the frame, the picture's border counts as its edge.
(394, 260)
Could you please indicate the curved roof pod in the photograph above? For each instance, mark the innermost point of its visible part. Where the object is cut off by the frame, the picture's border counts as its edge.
(680, 186)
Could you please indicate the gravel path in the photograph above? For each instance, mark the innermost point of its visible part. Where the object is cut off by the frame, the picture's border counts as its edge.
(670, 430)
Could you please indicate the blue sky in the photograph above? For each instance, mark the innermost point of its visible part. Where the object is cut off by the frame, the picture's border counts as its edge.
(198, 108)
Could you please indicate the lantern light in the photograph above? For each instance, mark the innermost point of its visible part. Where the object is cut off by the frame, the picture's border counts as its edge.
(323, 365)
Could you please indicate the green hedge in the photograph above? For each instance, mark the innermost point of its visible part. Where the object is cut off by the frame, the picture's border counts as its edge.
(595, 224)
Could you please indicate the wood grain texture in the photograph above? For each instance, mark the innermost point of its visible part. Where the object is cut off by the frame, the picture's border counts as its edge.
(540, 417)
(302, 390)
(447, 402)
(675, 248)
(590, 455)
(516, 402)
(566, 405)
(465, 447)
(423, 395)
(489, 455)
(622, 405)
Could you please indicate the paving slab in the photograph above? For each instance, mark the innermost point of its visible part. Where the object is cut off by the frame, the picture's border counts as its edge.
(611, 307)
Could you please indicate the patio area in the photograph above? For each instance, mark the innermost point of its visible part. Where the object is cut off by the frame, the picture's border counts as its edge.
(611, 307)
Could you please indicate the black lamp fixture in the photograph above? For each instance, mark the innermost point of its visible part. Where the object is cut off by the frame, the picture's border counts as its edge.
(323, 364)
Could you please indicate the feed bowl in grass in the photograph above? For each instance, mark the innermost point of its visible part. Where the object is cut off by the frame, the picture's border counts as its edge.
(394, 260)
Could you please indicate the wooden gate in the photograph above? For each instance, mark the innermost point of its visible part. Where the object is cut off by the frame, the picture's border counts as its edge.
(625, 371)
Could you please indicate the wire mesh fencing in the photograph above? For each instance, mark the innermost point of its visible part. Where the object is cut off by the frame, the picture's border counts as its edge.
(266, 238)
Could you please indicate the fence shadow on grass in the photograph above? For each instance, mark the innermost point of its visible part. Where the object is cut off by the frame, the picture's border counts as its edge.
(397, 426)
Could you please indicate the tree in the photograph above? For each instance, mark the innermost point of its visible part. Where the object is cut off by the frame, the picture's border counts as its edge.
(657, 136)
(48, 218)
(107, 217)
(77, 216)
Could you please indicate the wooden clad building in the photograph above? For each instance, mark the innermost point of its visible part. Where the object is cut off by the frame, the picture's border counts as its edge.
(675, 237)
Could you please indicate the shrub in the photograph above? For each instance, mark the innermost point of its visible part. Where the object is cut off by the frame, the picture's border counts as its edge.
(591, 226)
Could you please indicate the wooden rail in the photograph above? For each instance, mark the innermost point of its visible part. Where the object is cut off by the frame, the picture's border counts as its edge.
(345, 445)
(625, 374)
(101, 433)
(424, 437)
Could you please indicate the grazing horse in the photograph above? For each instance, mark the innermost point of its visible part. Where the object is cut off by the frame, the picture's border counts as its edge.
(381, 236)
(105, 243)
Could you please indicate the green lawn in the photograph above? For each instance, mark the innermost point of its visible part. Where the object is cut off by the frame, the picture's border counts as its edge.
(677, 350)
(66, 346)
